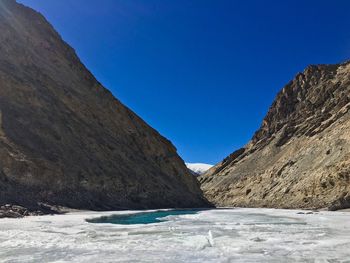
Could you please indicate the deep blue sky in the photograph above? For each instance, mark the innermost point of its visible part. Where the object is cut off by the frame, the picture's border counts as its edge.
(203, 73)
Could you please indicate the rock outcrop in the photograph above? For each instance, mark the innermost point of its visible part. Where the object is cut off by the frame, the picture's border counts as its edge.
(300, 157)
(65, 140)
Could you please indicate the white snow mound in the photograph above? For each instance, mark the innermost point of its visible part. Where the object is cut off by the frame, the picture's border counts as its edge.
(199, 168)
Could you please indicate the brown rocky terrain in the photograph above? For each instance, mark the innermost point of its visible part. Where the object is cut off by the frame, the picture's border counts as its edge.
(300, 157)
(65, 140)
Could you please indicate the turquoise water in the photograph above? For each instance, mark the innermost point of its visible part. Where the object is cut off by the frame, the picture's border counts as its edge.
(140, 218)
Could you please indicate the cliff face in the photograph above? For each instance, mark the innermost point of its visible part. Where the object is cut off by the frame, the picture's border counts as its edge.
(300, 157)
(65, 140)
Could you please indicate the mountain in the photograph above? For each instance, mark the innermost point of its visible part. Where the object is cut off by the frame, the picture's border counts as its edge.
(300, 156)
(65, 140)
(198, 168)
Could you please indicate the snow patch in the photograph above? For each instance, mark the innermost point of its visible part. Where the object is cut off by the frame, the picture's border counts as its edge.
(199, 168)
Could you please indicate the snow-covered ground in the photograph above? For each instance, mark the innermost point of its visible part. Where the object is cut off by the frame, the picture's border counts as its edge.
(222, 235)
(199, 168)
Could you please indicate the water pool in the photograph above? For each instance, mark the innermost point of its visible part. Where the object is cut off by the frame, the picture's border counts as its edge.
(141, 218)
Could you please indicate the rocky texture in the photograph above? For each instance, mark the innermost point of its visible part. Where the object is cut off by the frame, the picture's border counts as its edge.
(16, 211)
(300, 157)
(65, 140)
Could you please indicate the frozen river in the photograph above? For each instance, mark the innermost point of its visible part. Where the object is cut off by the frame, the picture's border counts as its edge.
(219, 235)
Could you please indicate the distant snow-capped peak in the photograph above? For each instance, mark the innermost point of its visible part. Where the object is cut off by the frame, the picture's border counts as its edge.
(199, 168)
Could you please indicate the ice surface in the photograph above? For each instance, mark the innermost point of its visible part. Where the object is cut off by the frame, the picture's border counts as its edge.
(221, 235)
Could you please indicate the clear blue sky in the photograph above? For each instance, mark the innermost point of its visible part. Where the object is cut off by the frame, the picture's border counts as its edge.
(203, 73)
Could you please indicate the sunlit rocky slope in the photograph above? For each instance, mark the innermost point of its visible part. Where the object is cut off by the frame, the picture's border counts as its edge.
(64, 138)
(300, 157)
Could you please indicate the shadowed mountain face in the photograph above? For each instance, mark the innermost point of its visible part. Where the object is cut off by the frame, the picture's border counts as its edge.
(65, 140)
(300, 157)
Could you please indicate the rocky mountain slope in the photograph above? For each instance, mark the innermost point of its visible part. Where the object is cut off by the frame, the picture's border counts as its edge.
(65, 140)
(300, 157)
